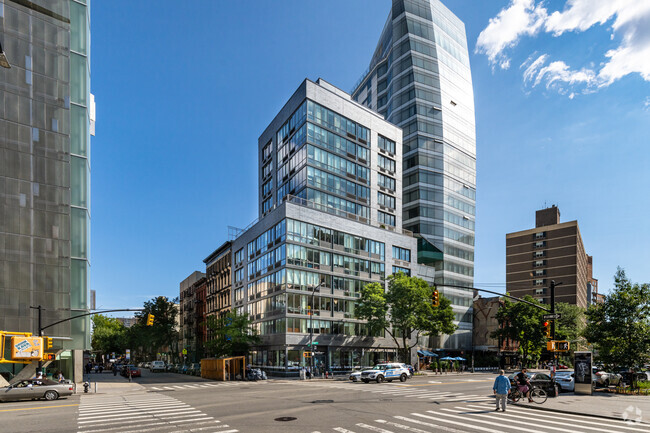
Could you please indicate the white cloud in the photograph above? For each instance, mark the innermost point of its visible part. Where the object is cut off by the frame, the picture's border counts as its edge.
(522, 17)
(631, 24)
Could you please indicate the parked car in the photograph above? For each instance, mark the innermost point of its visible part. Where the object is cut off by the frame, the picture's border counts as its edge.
(562, 367)
(183, 369)
(540, 380)
(605, 379)
(135, 371)
(566, 380)
(147, 364)
(385, 372)
(410, 368)
(33, 388)
(157, 366)
(194, 369)
(355, 375)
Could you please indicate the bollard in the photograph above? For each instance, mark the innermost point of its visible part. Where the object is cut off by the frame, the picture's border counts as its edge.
(95, 387)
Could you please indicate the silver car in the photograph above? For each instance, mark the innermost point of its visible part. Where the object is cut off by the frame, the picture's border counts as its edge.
(33, 388)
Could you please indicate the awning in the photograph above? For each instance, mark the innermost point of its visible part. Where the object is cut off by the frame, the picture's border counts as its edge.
(426, 353)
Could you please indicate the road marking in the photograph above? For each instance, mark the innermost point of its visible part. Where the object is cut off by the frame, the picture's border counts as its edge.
(428, 424)
(113, 428)
(457, 423)
(373, 428)
(39, 407)
(195, 419)
(342, 430)
(402, 426)
(156, 388)
(503, 426)
(444, 383)
(527, 422)
(133, 411)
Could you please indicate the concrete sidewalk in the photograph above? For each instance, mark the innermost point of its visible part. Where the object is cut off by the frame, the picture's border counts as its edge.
(635, 408)
(106, 383)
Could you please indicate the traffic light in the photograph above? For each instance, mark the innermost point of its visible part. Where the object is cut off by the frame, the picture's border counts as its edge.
(435, 297)
(49, 357)
(149, 319)
(47, 343)
(547, 329)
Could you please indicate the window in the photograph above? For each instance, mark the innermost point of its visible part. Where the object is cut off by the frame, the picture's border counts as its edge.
(386, 182)
(385, 218)
(537, 254)
(266, 170)
(239, 256)
(386, 163)
(267, 205)
(266, 151)
(540, 235)
(239, 276)
(539, 263)
(540, 272)
(540, 291)
(266, 188)
(386, 144)
(386, 200)
(398, 269)
(400, 253)
(539, 282)
(540, 244)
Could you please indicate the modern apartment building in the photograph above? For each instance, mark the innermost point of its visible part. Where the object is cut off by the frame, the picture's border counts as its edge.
(550, 251)
(330, 176)
(46, 119)
(419, 79)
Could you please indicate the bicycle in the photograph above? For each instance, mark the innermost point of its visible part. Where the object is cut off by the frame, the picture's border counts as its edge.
(538, 395)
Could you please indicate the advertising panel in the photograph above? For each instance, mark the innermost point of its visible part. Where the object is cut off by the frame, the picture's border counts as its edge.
(128, 354)
(582, 362)
(27, 348)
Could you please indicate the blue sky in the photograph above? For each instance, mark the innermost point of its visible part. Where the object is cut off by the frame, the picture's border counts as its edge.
(183, 90)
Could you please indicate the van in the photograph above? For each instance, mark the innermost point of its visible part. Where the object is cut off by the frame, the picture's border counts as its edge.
(157, 366)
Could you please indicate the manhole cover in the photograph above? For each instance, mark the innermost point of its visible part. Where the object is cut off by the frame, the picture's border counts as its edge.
(323, 401)
(286, 418)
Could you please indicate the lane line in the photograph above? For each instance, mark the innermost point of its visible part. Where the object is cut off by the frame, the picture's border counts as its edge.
(39, 407)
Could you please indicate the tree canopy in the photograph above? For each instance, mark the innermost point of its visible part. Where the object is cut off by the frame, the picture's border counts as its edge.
(109, 334)
(404, 311)
(148, 340)
(620, 327)
(522, 322)
(232, 335)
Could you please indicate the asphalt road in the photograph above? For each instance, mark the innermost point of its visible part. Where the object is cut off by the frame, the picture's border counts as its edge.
(166, 402)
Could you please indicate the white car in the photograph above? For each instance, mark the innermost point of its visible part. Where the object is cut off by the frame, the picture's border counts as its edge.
(566, 380)
(385, 372)
(157, 366)
(355, 376)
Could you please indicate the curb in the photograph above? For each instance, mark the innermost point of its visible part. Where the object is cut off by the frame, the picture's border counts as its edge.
(568, 412)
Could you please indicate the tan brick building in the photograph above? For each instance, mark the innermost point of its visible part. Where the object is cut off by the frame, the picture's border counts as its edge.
(550, 251)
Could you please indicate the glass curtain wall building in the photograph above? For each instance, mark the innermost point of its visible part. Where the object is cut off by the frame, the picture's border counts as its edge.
(330, 172)
(46, 119)
(419, 79)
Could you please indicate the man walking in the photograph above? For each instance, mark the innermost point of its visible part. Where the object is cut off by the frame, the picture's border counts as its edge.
(501, 388)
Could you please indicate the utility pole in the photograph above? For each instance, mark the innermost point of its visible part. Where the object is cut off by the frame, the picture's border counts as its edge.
(40, 330)
(311, 331)
(553, 285)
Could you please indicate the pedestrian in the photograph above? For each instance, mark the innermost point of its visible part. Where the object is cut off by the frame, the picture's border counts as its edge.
(59, 376)
(500, 388)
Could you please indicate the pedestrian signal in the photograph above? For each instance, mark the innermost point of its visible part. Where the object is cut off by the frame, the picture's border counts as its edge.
(149, 319)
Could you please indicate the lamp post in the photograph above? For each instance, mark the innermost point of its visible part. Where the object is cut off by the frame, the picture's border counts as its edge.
(311, 330)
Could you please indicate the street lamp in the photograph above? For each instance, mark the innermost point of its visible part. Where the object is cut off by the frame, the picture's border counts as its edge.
(3, 59)
(311, 330)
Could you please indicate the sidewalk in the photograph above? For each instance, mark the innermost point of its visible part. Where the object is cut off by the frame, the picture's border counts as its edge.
(106, 383)
(604, 405)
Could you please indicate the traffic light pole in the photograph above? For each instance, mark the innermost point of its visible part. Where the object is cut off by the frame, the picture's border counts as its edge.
(40, 330)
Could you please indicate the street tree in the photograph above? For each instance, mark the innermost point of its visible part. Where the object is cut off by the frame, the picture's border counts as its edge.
(108, 335)
(230, 335)
(146, 340)
(404, 311)
(620, 327)
(522, 322)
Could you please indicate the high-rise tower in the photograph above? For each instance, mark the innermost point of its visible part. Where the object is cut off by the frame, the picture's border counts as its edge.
(419, 79)
(46, 119)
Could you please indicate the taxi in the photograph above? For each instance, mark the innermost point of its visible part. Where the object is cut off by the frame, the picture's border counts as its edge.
(386, 372)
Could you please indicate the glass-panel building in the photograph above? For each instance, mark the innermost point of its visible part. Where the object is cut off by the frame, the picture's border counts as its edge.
(419, 79)
(330, 173)
(46, 120)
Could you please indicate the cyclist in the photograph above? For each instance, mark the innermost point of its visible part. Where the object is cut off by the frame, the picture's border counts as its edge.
(523, 383)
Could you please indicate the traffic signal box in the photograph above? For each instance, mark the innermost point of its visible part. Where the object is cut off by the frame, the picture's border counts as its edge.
(558, 346)
(547, 329)
(435, 298)
(149, 319)
(47, 343)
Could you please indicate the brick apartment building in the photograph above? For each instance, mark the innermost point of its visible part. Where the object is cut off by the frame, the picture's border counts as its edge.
(550, 251)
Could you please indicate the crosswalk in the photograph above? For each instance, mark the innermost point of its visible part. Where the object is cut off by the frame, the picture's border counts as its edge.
(482, 418)
(140, 413)
(405, 391)
(198, 385)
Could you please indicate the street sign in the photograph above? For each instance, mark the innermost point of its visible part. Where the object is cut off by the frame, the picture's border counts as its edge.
(27, 348)
(551, 316)
(128, 354)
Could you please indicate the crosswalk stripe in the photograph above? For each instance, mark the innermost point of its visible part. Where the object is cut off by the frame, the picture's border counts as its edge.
(116, 428)
(132, 411)
(528, 422)
(583, 419)
(443, 412)
(196, 419)
(402, 426)
(373, 428)
(342, 430)
(428, 424)
(458, 423)
(124, 409)
(156, 388)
